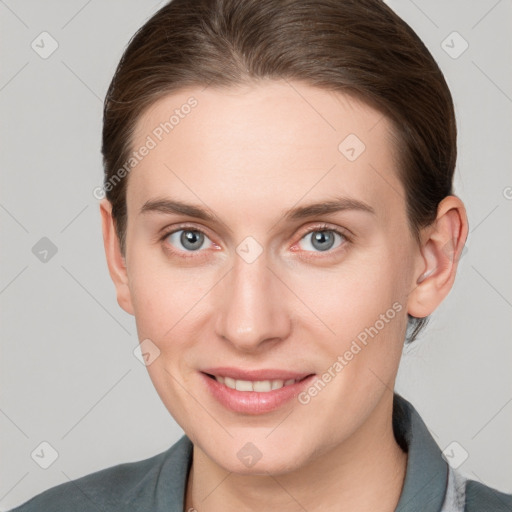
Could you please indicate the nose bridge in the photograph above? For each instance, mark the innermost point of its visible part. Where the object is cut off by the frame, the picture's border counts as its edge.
(252, 311)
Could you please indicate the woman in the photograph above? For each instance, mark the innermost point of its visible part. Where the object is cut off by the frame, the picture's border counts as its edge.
(239, 137)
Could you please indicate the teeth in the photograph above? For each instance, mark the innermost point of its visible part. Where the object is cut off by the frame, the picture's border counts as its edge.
(276, 384)
(243, 385)
(257, 385)
(229, 382)
(262, 386)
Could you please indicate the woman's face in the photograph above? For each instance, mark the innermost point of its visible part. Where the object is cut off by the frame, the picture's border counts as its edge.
(269, 288)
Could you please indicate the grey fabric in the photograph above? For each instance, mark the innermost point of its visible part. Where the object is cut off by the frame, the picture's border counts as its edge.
(427, 472)
(158, 484)
(481, 498)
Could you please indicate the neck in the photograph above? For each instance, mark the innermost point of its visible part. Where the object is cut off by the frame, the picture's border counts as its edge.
(365, 472)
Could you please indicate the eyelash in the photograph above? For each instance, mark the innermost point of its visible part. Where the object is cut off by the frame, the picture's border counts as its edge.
(321, 227)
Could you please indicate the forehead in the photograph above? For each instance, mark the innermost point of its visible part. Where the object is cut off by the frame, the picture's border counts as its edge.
(276, 143)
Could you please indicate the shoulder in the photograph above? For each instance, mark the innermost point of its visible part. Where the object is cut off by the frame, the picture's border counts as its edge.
(103, 490)
(481, 498)
(126, 486)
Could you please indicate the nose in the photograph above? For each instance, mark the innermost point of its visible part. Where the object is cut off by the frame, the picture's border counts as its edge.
(252, 312)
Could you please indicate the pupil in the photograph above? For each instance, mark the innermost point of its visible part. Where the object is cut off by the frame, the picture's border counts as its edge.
(191, 239)
(321, 237)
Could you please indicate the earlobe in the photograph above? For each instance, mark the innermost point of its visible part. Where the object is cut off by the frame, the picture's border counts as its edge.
(115, 260)
(440, 251)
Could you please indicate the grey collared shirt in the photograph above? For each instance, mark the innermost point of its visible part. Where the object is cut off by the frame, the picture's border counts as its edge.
(158, 484)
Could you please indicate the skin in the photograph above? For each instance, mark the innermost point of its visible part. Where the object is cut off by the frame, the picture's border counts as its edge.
(248, 155)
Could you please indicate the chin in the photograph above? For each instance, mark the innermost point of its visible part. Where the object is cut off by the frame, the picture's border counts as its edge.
(258, 457)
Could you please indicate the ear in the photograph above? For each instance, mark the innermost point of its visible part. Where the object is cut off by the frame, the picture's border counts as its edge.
(115, 260)
(440, 250)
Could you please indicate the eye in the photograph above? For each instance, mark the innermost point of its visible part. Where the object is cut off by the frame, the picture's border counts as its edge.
(190, 240)
(322, 239)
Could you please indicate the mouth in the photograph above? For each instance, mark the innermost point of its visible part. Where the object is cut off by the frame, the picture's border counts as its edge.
(256, 391)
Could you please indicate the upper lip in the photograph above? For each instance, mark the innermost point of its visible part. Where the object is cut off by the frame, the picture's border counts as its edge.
(255, 375)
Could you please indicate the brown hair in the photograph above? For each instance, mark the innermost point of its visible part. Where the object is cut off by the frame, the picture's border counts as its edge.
(359, 47)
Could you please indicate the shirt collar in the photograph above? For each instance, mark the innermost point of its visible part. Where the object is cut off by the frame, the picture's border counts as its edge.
(426, 475)
(425, 481)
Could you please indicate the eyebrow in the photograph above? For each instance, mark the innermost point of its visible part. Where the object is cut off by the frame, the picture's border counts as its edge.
(169, 206)
(336, 205)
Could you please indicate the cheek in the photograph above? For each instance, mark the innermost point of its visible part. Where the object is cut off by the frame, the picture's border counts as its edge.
(164, 296)
(355, 293)
(155, 304)
(363, 304)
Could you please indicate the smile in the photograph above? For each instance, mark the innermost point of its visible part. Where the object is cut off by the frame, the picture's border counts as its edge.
(254, 392)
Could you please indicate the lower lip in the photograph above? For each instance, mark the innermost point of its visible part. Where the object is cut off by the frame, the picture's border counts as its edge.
(254, 402)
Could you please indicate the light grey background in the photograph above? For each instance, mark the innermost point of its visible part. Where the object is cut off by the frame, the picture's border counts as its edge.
(68, 373)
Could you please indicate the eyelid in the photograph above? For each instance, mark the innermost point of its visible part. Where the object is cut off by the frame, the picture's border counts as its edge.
(323, 226)
(169, 230)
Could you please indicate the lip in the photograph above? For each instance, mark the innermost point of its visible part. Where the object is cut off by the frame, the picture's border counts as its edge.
(254, 402)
